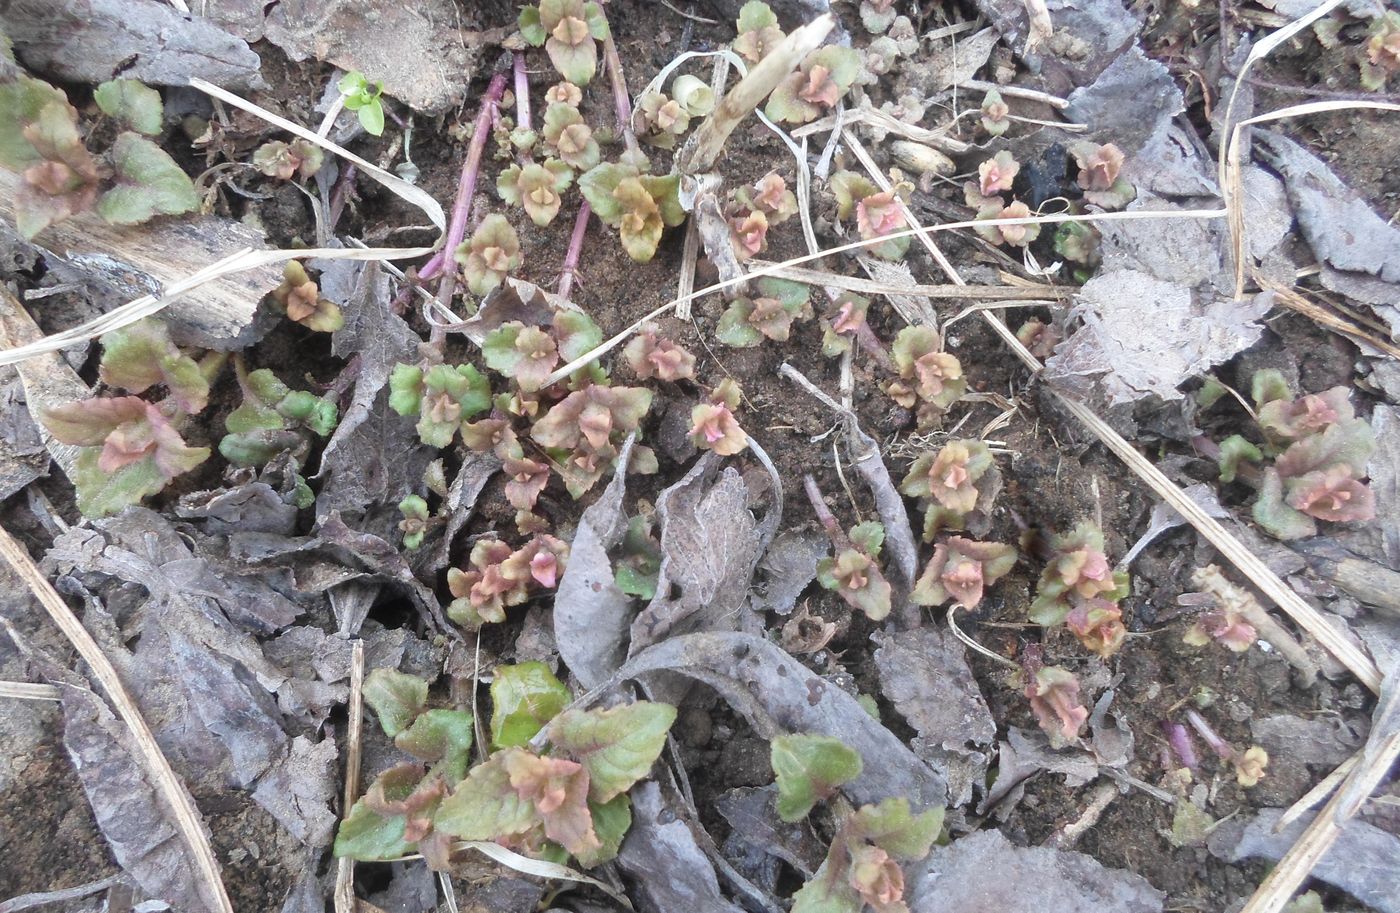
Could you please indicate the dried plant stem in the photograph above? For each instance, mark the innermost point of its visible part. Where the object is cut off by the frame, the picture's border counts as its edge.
(186, 816)
(622, 102)
(1034, 293)
(690, 254)
(44, 898)
(522, 90)
(30, 691)
(1044, 98)
(466, 189)
(571, 257)
(823, 512)
(354, 731)
(1066, 837)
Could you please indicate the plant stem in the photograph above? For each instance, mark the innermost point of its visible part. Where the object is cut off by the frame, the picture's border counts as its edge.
(466, 189)
(571, 258)
(1180, 743)
(1224, 749)
(621, 100)
(824, 514)
(522, 91)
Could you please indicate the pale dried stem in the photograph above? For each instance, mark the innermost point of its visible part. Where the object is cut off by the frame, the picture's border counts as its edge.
(1034, 292)
(354, 736)
(186, 816)
(1066, 837)
(30, 691)
(1044, 98)
(690, 254)
(621, 101)
(522, 90)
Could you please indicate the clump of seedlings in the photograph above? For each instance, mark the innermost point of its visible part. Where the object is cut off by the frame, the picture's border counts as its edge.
(660, 120)
(638, 205)
(582, 432)
(132, 181)
(1080, 590)
(946, 482)
(500, 577)
(272, 419)
(569, 799)
(649, 354)
(712, 422)
(751, 211)
(442, 396)
(570, 31)
(768, 315)
(131, 447)
(930, 379)
(1310, 464)
(877, 212)
(299, 299)
(853, 572)
(1099, 175)
(994, 178)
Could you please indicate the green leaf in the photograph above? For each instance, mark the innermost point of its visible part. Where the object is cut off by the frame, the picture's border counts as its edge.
(597, 21)
(262, 392)
(869, 537)
(406, 389)
(598, 186)
(809, 769)
(1233, 451)
(1268, 385)
(825, 893)
(524, 697)
(372, 117)
(890, 826)
(367, 836)
(1274, 514)
(529, 25)
(734, 329)
(611, 821)
(101, 494)
(149, 183)
(665, 190)
(396, 698)
(21, 101)
(133, 103)
(485, 806)
(575, 62)
(142, 355)
(442, 738)
(755, 15)
(616, 746)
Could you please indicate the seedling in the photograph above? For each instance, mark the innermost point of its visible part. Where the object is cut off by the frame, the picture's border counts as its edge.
(582, 432)
(569, 31)
(947, 482)
(638, 205)
(712, 422)
(877, 15)
(637, 566)
(660, 120)
(809, 769)
(414, 524)
(997, 174)
(929, 377)
(751, 211)
(1225, 624)
(299, 298)
(995, 113)
(815, 87)
(1053, 693)
(570, 138)
(770, 315)
(524, 698)
(1099, 168)
(268, 420)
(1249, 764)
(442, 396)
(961, 570)
(651, 355)
(1079, 588)
(1038, 336)
(1382, 51)
(758, 31)
(536, 187)
(61, 177)
(877, 213)
(564, 93)
(365, 98)
(285, 161)
(500, 577)
(528, 354)
(862, 866)
(853, 573)
(491, 254)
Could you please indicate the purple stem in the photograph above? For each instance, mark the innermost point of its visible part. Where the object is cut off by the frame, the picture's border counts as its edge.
(571, 258)
(522, 91)
(621, 100)
(1218, 745)
(338, 195)
(466, 189)
(1180, 741)
(824, 514)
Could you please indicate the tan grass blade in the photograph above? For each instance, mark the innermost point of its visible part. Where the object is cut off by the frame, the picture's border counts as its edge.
(30, 691)
(354, 735)
(187, 817)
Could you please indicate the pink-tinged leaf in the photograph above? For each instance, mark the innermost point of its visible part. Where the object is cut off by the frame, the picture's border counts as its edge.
(559, 791)
(651, 355)
(961, 569)
(1054, 697)
(997, 174)
(617, 746)
(86, 423)
(1332, 494)
(486, 806)
(142, 355)
(1098, 624)
(1276, 517)
(1348, 442)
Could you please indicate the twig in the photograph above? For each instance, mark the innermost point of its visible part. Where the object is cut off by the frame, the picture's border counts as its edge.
(354, 729)
(571, 258)
(1067, 836)
(622, 102)
(522, 91)
(44, 898)
(1212, 581)
(823, 512)
(186, 816)
(466, 189)
(1044, 98)
(1034, 292)
(972, 644)
(30, 691)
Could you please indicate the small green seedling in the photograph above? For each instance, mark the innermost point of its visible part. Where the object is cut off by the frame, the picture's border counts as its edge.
(570, 31)
(365, 98)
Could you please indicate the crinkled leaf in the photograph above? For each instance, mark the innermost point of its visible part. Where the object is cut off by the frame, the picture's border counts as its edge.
(132, 102)
(611, 821)
(893, 828)
(598, 186)
(21, 101)
(406, 389)
(485, 806)
(616, 746)
(1233, 451)
(869, 537)
(396, 698)
(576, 333)
(101, 494)
(529, 25)
(142, 355)
(809, 768)
(558, 788)
(367, 835)
(442, 738)
(148, 183)
(734, 328)
(524, 697)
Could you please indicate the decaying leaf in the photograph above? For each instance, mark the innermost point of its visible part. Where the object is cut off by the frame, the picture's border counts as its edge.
(1125, 352)
(658, 842)
(1023, 880)
(299, 789)
(777, 694)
